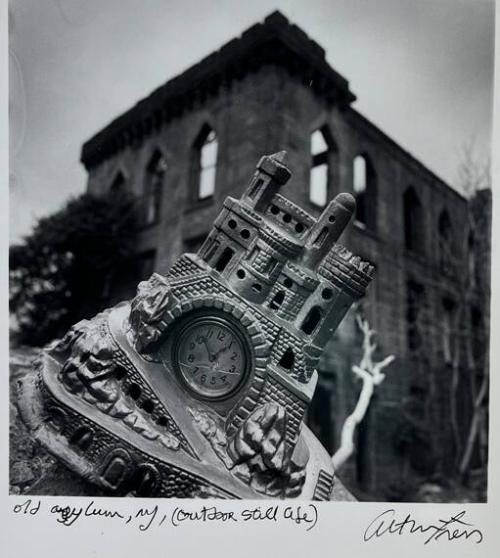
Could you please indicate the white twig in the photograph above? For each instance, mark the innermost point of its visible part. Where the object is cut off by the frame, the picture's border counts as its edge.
(371, 375)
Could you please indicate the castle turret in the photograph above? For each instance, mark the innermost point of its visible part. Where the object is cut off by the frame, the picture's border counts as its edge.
(271, 174)
(328, 228)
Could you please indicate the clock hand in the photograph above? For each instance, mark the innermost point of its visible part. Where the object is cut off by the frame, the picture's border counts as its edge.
(222, 350)
(218, 370)
(211, 357)
(203, 367)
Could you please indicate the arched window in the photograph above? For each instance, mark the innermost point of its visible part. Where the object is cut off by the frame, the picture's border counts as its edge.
(448, 327)
(473, 269)
(413, 221)
(277, 300)
(224, 259)
(204, 163)
(81, 438)
(478, 334)
(445, 238)
(322, 146)
(144, 480)
(118, 184)
(153, 188)
(414, 315)
(312, 320)
(287, 360)
(365, 191)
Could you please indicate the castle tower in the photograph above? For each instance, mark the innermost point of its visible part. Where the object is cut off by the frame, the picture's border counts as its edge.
(287, 266)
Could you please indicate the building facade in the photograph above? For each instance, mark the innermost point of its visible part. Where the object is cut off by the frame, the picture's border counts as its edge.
(196, 140)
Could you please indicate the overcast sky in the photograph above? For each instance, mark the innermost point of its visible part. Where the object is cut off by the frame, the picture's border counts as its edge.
(422, 71)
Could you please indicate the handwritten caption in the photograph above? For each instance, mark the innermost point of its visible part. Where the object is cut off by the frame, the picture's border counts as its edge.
(154, 516)
(305, 516)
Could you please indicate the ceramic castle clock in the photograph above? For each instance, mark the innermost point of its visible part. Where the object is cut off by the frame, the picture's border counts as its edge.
(198, 386)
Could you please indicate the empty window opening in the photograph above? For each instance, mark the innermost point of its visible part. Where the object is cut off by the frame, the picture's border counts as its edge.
(245, 233)
(287, 217)
(445, 239)
(312, 320)
(448, 326)
(277, 300)
(327, 294)
(162, 420)
(153, 189)
(321, 237)
(144, 481)
(299, 227)
(116, 471)
(322, 146)
(364, 187)
(478, 334)
(287, 360)
(270, 266)
(359, 175)
(415, 315)
(205, 163)
(288, 283)
(413, 221)
(81, 438)
(275, 210)
(472, 262)
(255, 188)
(118, 184)
(257, 287)
(224, 259)
(240, 274)
(134, 391)
(148, 405)
(231, 224)
(211, 249)
(56, 418)
(120, 372)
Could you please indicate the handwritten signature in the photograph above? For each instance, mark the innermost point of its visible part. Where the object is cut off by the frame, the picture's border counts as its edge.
(453, 528)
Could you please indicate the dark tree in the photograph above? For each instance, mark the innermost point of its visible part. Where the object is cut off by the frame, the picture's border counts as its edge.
(64, 270)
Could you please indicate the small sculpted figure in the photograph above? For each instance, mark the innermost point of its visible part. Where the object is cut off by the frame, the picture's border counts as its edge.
(199, 385)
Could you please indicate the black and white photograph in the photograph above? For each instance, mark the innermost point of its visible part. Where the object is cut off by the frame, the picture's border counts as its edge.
(250, 249)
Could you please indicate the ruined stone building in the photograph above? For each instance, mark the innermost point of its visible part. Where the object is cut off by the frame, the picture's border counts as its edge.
(197, 138)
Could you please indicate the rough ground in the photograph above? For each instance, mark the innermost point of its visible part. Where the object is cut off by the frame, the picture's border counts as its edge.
(28, 462)
(32, 469)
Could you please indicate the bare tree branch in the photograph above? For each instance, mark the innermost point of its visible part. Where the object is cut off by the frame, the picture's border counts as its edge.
(371, 375)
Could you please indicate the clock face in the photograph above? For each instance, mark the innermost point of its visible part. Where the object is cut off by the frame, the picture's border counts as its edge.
(210, 357)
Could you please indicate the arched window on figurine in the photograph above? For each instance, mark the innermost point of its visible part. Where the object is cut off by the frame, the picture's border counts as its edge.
(323, 157)
(413, 221)
(445, 239)
(119, 184)
(204, 163)
(153, 188)
(365, 191)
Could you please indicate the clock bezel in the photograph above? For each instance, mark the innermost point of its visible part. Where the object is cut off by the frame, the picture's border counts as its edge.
(227, 320)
